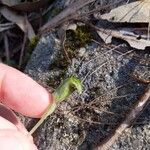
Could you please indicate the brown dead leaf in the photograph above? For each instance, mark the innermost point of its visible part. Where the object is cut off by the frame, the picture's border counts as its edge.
(133, 12)
(17, 5)
(10, 2)
(124, 34)
(21, 21)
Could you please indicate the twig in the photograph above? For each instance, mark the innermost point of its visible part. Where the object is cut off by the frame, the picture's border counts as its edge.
(94, 122)
(137, 109)
(6, 26)
(25, 6)
(100, 8)
(6, 43)
(22, 50)
(62, 35)
(138, 79)
(91, 73)
(24, 42)
(148, 30)
(70, 10)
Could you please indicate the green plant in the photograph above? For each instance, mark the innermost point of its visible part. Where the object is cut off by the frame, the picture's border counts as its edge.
(60, 94)
(78, 38)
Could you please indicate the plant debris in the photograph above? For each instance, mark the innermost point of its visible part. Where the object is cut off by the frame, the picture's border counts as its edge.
(132, 13)
(137, 41)
(20, 20)
(131, 116)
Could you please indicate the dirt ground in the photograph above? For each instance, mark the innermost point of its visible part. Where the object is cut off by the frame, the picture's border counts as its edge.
(109, 93)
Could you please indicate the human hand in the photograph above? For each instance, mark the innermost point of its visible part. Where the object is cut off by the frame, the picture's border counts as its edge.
(24, 95)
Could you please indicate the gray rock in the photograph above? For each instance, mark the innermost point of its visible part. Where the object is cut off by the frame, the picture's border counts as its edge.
(109, 92)
(102, 72)
(47, 48)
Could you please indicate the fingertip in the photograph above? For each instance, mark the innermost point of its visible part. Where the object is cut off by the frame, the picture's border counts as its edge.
(22, 94)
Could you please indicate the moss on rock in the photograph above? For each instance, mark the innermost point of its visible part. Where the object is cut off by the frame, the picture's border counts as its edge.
(77, 39)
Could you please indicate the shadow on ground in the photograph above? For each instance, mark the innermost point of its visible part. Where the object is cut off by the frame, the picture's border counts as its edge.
(96, 133)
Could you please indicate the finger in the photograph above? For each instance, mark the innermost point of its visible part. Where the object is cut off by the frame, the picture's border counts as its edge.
(21, 93)
(15, 140)
(5, 124)
(13, 132)
(8, 119)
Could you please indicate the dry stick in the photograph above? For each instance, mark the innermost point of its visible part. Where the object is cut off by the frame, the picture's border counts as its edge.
(6, 26)
(90, 73)
(24, 43)
(22, 50)
(63, 39)
(70, 10)
(6, 43)
(100, 8)
(148, 34)
(69, 13)
(143, 81)
(137, 109)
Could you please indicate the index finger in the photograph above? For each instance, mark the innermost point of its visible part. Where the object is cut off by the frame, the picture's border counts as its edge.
(21, 93)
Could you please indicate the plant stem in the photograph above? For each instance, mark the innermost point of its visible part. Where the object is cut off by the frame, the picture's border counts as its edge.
(49, 111)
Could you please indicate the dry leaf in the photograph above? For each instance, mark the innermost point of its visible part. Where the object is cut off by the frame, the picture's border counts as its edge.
(124, 34)
(10, 2)
(24, 6)
(21, 21)
(133, 12)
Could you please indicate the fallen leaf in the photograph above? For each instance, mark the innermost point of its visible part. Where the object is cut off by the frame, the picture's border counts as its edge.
(17, 5)
(21, 21)
(10, 2)
(123, 33)
(138, 11)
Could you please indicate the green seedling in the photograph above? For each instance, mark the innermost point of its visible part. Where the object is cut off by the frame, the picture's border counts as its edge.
(61, 93)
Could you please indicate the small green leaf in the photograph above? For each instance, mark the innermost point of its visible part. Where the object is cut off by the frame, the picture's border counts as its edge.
(67, 87)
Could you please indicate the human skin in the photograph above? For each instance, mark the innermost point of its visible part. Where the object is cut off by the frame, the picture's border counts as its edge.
(22, 94)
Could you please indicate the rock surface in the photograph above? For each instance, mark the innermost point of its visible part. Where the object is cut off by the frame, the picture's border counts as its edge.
(109, 92)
